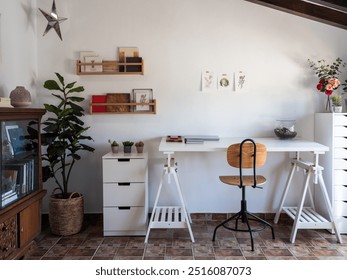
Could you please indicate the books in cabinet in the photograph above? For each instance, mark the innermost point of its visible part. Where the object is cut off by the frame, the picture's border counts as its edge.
(25, 177)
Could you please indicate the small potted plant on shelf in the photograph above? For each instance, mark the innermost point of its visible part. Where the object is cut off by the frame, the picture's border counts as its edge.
(337, 103)
(127, 146)
(114, 146)
(139, 147)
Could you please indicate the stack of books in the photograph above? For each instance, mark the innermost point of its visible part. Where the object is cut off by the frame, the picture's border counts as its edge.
(8, 197)
(199, 139)
(5, 102)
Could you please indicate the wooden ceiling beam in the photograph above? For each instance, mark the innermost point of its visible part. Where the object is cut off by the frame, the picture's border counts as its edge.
(329, 14)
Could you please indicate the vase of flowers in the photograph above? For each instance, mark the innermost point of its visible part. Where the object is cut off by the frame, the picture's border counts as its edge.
(328, 77)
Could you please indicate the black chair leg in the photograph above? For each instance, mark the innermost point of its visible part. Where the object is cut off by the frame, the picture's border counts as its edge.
(243, 216)
(224, 222)
(264, 222)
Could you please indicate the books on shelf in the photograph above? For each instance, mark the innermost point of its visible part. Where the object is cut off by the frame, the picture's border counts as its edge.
(99, 99)
(25, 177)
(8, 197)
(5, 102)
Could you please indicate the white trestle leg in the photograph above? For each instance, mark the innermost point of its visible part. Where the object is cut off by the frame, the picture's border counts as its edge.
(170, 216)
(307, 217)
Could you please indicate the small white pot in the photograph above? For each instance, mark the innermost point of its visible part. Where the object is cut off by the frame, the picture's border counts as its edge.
(337, 109)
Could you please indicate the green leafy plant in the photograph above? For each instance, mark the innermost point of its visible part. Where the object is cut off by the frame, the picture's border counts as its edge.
(336, 100)
(113, 143)
(63, 133)
(127, 143)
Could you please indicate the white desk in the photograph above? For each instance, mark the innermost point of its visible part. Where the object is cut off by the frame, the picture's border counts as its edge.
(303, 217)
(272, 144)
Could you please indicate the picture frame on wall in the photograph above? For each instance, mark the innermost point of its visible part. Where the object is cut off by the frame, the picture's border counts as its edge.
(142, 96)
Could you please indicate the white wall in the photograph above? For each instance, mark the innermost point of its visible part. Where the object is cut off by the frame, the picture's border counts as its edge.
(178, 39)
(17, 45)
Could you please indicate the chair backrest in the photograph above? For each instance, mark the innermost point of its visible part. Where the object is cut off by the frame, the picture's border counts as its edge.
(247, 149)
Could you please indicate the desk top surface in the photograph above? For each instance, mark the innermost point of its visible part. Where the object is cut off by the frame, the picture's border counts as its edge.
(273, 144)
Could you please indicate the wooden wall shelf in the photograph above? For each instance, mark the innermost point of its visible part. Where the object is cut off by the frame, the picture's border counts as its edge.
(111, 67)
(132, 108)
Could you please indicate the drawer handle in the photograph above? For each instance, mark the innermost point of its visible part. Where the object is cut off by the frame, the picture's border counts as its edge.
(124, 159)
(124, 207)
(124, 184)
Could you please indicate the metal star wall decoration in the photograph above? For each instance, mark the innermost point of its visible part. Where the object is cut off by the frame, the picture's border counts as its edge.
(53, 20)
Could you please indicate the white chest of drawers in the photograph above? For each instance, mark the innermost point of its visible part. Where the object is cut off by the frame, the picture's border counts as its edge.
(125, 192)
(331, 130)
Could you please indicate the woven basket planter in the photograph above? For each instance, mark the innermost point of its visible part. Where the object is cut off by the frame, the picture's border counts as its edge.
(66, 215)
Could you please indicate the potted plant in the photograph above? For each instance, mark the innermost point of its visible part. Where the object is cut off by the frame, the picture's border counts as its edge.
(127, 146)
(64, 139)
(114, 146)
(337, 103)
(139, 147)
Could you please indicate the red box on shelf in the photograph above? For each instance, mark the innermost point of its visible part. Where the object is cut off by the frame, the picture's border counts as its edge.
(98, 99)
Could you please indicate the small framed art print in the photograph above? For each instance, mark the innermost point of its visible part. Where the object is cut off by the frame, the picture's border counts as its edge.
(142, 96)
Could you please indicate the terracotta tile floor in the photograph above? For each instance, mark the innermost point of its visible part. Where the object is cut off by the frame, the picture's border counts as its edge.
(173, 244)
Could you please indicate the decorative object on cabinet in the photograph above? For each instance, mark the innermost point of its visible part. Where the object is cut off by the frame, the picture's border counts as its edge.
(21, 186)
(64, 138)
(127, 145)
(5, 102)
(142, 96)
(118, 98)
(53, 20)
(285, 129)
(110, 67)
(114, 146)
(139, 147)
(20, 97)
(331, 130)
(328, 77)
(99, 104)
(125, 194)
(337, 103)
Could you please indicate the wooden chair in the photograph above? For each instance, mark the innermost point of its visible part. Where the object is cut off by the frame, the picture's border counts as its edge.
(245, 155)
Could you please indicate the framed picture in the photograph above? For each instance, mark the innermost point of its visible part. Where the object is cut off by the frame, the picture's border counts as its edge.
(142, 96)
(224, 81)
(15, 136)
(240, 80)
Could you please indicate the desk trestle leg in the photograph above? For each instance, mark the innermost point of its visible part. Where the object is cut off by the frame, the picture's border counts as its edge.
(169, 216)
(306, 217)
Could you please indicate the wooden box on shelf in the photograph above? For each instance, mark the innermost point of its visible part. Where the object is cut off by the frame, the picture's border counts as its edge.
(112, 67)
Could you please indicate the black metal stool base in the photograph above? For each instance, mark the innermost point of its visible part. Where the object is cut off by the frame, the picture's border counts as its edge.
(242, 215)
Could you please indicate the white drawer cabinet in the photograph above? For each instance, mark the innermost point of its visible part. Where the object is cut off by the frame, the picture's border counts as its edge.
(331, 130)
(125, 192)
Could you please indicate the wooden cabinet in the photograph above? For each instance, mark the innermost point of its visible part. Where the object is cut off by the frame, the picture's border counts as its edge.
(21, 184)
(331, 130)
(125, 192)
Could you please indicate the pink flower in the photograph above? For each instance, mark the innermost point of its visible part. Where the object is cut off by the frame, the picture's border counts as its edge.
(328, 87)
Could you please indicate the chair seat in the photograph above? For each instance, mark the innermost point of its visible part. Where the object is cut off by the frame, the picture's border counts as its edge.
(246, 180)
